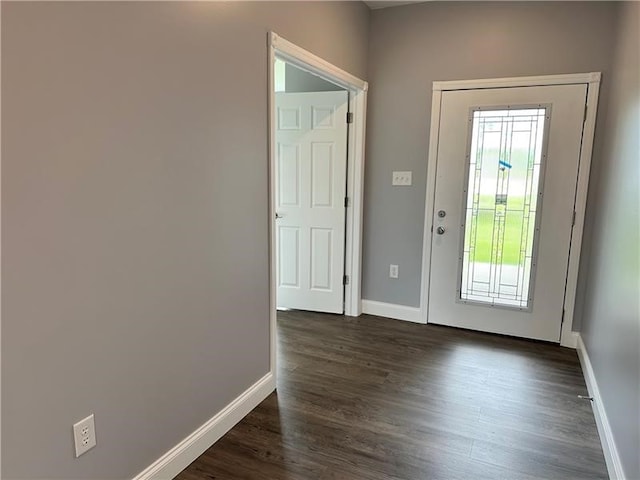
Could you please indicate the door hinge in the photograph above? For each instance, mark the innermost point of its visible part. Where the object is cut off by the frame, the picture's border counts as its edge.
(346, 202)
(345, 280)
(585, 113)
(573, 219)
(349, 117)
(562, 319)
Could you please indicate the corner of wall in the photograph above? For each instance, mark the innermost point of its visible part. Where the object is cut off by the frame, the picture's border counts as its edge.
(184, 453)
(609, 448)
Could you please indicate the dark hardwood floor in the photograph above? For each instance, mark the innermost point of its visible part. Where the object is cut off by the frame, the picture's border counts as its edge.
(374, 399)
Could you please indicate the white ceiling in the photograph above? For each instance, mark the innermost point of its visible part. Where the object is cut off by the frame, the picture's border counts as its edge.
(376, 4)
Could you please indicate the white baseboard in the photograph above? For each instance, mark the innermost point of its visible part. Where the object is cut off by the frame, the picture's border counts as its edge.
(390, 310)
(611, 455)
(185, 452)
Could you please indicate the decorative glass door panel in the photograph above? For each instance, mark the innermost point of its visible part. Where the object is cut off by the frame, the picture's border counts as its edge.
(505, 158)
(494, 245)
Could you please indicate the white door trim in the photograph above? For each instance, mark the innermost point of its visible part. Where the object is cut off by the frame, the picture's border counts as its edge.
(592, 79)
(540, 81)
(357, 88)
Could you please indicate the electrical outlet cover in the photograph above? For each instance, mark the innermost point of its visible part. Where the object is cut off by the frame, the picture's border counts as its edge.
(393, 271)
(84, 435)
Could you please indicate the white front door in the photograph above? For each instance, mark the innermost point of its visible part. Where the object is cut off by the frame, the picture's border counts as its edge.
(311, 168)
(507, 166)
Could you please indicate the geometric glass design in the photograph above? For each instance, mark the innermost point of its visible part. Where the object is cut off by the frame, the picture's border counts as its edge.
(500, 217)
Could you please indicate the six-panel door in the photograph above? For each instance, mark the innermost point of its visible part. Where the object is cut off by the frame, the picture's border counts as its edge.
(311, 153)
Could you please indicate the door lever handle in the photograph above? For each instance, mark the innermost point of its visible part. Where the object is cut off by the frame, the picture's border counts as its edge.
(278, 215)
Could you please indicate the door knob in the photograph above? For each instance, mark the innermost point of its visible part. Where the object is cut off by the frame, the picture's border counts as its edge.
(440, 230)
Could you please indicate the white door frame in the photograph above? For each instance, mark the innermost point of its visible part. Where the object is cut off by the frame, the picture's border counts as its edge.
(305, 60)
(567, 337)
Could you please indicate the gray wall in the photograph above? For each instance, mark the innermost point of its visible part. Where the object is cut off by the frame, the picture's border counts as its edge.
(412, 46)
(134, 218)
(297, 80)
(611, 325)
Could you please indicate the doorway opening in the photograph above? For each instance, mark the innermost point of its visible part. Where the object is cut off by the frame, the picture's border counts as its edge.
(322, 261)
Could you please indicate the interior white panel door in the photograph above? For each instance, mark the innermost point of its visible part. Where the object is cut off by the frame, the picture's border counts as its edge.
(503, 213)
(311, 168)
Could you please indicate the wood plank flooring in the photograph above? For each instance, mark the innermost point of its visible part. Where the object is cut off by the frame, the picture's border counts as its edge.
(375, 399)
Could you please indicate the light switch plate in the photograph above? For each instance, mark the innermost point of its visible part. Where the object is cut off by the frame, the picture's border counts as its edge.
(401, 179)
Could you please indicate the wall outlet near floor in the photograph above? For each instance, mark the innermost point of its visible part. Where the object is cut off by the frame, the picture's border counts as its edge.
(393, 271)
(84, 435)
(401, 179)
